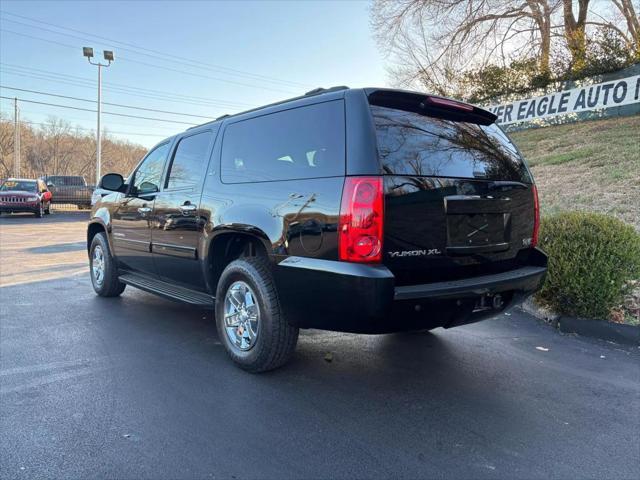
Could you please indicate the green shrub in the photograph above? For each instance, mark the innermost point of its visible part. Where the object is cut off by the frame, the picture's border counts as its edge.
(592, 258)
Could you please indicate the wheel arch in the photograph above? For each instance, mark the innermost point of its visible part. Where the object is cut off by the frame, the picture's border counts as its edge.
(96, 226)
(230, 244)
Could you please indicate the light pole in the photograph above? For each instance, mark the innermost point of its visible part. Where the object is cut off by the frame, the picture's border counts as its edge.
(108, 56)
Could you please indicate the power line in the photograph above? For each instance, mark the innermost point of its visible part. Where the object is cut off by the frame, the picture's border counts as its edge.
(114, 123)
(126, 59)
(111, 89)
(94, 111)
(90, 130)
(105, 103)
(163, 55)
(118, 86)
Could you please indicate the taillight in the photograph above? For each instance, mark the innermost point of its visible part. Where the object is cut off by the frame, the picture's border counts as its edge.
(361, 220)
(536, 216)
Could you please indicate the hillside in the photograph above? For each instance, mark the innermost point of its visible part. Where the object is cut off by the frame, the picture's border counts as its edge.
(591, 165)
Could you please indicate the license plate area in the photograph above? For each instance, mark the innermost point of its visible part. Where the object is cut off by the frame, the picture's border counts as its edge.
(478, 232)
(477, 224)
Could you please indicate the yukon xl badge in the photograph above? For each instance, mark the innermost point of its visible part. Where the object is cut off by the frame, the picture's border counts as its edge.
(415, 253)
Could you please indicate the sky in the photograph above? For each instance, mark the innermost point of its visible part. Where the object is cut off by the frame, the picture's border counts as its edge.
(189, 57)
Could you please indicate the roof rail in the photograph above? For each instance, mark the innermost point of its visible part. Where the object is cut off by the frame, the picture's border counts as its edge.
(315, 91)
(319, 90)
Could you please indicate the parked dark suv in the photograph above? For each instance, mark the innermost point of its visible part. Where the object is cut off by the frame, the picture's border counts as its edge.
(357, 210)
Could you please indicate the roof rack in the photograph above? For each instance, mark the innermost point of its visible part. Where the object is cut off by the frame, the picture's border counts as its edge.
(319, 90)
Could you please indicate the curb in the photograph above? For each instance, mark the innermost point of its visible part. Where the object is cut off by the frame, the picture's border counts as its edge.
(586, 327)
(602, 329)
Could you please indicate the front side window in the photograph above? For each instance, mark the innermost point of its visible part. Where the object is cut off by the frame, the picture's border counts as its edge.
(148, 175)
(189, 160)
(304, 142)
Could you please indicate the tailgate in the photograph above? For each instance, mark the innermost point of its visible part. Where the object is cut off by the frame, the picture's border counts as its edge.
(458, 195)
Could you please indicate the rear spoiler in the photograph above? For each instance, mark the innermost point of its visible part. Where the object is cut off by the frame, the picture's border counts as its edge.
(431, 105)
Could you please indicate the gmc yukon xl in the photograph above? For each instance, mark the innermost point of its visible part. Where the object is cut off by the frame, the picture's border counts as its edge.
(356, 210)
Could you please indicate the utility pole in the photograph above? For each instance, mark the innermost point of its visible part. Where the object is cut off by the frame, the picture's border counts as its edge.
(16, 139)
(108, 56)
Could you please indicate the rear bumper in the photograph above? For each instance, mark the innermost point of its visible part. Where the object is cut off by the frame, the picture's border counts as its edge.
(364, 299)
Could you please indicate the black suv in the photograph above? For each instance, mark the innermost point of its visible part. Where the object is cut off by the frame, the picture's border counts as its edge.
(357, 210)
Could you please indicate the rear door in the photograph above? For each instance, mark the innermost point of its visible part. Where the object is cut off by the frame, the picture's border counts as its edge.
(177, 223)
(131, 220)
(458, 196)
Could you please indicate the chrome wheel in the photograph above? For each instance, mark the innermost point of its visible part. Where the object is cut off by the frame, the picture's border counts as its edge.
(97, 265)
(241, 316)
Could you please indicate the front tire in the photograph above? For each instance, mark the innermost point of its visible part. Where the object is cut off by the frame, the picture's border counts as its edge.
(104, 275)
(249, 319)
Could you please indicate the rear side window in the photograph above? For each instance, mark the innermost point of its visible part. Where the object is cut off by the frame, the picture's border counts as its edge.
(414, 144)
(189, 160)
(304, 142)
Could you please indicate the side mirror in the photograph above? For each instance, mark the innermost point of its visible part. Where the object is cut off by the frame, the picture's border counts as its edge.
(146, 188)
(50, 185)
(112, 181)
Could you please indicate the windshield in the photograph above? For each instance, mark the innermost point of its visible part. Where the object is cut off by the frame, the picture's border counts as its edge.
(18, 185)
(414, 144)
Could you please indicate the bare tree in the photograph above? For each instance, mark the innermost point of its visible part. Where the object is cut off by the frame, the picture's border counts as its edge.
(575, 32)
(430, 42)
(437, 39)
(625, 24)
(57, 148)
(6, 147)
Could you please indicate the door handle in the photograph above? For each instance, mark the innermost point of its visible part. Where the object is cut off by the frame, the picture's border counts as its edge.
(187, 208)
(144, 210)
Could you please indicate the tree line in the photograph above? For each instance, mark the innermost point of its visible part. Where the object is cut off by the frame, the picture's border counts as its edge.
(480, 49)
(57, 148)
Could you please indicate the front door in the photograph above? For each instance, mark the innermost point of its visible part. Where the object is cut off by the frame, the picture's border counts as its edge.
(177, 225)
(131, 221)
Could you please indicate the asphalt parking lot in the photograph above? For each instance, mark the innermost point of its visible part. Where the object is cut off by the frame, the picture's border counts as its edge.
(139, 387)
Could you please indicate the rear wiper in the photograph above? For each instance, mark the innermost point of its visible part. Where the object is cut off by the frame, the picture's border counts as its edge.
(506, 184)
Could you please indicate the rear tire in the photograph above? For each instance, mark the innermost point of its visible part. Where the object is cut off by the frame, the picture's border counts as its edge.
(102, 266)
(271, 341)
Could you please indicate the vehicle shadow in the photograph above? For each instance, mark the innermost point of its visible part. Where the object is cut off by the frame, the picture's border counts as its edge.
(403, 405)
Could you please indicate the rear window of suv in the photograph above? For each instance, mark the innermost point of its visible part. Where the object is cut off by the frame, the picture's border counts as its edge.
(414, 144)
(303, 142)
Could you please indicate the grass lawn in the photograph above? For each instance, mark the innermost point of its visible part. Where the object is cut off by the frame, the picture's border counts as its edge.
(591, 165)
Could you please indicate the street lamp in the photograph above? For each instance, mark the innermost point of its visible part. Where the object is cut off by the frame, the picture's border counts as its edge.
(108, 56)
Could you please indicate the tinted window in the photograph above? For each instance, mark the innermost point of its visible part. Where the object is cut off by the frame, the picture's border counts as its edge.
(413, 144)
(304, 142)
(147, 177)
(56, 180)
(188, 161)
